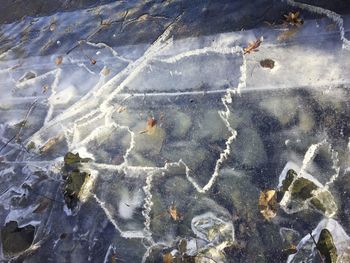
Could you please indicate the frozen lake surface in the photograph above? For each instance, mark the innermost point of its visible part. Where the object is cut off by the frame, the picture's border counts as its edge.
(164, 131)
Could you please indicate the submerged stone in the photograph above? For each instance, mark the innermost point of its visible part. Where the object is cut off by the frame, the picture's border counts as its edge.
(74, 179)
(16, 239)
(302, 188)
(326, 246)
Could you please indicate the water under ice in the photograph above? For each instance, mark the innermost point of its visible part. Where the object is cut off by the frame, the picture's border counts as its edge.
(187, 185)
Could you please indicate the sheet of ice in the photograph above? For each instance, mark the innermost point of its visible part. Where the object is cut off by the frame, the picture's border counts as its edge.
(217, 109)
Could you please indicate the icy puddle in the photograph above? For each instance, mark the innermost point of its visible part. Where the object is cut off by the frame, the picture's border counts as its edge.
(232, 147)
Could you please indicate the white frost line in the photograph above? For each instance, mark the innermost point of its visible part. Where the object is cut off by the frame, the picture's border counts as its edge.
(109, 252)
(81, 64)
(332, 15)
(125, 234)
(200, 51)
(113, 86)
(225, 116)
(114, 53)
(53, 93)
(335, 166)
(37, 78)
(147, 207)
(134, 69)
(174, 94)
(92, 117)
(131, 146)
(310, 155)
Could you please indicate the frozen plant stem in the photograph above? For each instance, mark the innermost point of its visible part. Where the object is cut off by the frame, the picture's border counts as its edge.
(23, 123)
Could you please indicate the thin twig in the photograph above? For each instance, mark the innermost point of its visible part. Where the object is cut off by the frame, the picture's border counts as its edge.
(4, 146)
(25, 120)
(319, 252)
(23, 123)
(313, 239)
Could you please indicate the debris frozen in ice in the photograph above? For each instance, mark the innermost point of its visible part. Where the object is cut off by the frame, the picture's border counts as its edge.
(223, 120)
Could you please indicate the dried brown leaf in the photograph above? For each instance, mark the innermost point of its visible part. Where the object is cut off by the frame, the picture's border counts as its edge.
(120, 109)
(293, 19)
(49, 144)
(268, 204)
(292, 249)
(151, 123)
(172, 210)
(168, 258)
(58, 60)
(252, 46)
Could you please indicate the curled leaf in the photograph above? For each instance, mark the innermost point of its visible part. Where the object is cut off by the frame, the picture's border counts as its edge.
(292, 249)
(252, 46)
(151, 123)
(58, 60)
(168, 258)
(268, 204)
(293, 19)
(172, 210)
(120, 109)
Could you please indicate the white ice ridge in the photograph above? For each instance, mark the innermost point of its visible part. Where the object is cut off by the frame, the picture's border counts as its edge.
(311, 154)
(52, 96)
(330, 14)
(95, 98)
(125, 234)
(225, 116)
(114, 53)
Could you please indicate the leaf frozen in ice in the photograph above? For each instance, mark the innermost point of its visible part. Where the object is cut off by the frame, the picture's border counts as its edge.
(268, 204)
(173, 212)
(167, 258)
(252, 46)
(293, 19)
(58, 60)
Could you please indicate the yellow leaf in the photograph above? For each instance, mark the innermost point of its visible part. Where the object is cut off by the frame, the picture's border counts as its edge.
(268, 204)
(167, 258)
(174, 213)
(58, 60)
